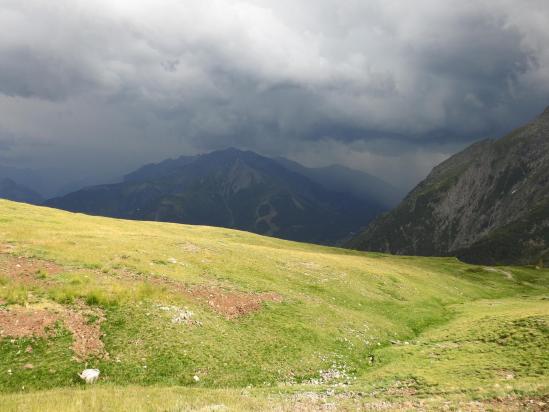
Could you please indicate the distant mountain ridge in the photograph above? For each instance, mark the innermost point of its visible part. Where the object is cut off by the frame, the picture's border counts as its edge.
(487, 204)
(229, 188)
(11, 190)
(343, 179)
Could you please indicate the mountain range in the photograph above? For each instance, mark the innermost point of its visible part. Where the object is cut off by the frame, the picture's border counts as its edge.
(487, 204)
(11, 190)
(339, 178)
(237, 189)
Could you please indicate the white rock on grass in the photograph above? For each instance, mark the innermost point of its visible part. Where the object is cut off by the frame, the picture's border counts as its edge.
(89, 375)
(182, 317)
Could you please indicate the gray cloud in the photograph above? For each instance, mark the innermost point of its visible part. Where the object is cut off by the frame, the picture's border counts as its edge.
(387, 87)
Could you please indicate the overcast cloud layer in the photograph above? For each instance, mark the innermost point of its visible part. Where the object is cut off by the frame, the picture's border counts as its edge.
(390, 87)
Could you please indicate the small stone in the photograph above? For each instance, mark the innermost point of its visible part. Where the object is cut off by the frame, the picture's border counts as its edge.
(196, 378)
(172, 260)
(28, 366)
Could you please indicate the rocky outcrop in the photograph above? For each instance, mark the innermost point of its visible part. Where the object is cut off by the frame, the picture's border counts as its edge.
(487, 204)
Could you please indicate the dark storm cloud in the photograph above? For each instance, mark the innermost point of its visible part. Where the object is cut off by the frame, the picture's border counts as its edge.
(33, 74)
(391, 87)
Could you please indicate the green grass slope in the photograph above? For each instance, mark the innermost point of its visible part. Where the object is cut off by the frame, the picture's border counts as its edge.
(345, 329)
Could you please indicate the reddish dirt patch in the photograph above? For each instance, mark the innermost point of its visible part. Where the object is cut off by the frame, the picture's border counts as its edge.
(23, 322)
(84, 324)
(233, 304)
(5, 248)
(27, 270)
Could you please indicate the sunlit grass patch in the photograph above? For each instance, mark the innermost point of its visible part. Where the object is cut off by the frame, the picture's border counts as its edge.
(387, 327)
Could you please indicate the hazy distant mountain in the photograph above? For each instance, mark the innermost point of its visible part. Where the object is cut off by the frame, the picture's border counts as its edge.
(343, 179)
(25, 177)
(52, 182)
(229, 188)
(14, 191)
(487, 204)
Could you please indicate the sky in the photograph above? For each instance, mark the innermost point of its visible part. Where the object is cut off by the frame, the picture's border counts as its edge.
(93, 89)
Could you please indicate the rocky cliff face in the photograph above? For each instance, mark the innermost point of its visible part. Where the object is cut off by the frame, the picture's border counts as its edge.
(488, 204)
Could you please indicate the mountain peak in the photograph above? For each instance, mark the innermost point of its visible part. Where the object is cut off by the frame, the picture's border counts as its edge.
(232, 152)
(487, 204)
(232, 188)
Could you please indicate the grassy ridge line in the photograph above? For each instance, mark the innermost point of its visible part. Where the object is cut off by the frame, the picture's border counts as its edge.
(339, 306)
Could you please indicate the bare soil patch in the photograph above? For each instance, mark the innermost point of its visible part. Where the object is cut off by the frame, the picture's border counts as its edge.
(233, 304)
(85, 326)
(22, 322)
(190, 247)
(83, 322)
(6, 248)
(228, 303)
(27, 270)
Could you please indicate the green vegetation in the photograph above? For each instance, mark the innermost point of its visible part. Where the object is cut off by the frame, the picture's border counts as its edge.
(347, 328)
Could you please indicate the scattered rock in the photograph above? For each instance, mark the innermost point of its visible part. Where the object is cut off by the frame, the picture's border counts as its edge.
(90, 375)
(196, 378)
(505, 273)
(28, 366)
(183, 316)
(180, 315)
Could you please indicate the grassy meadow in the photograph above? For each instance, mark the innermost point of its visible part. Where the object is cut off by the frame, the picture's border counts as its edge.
(180, 317)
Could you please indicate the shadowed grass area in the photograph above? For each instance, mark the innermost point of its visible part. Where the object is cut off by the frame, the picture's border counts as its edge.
(342, 323)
